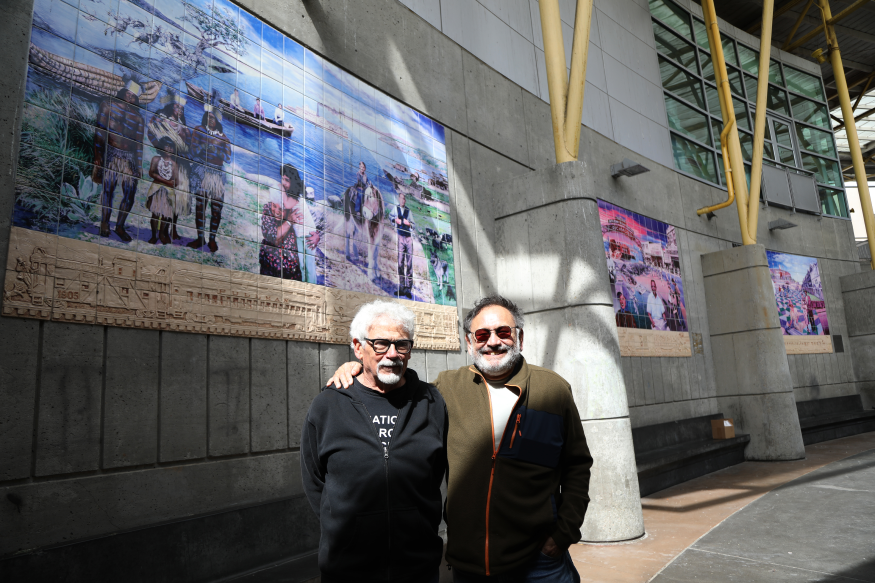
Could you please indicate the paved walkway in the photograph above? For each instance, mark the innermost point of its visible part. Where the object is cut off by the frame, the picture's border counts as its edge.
(807, 520)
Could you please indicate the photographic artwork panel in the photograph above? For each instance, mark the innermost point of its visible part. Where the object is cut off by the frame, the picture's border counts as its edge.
(801, 303)
(646, 284)
(194, 132)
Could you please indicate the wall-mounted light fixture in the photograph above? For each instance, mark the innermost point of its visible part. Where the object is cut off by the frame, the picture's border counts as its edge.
(627, 168)
(780, 224)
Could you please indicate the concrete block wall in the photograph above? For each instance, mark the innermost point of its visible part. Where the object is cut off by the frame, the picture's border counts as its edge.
(105, 430)
(858, 291)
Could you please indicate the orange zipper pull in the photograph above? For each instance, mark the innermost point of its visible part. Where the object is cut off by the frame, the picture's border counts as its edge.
(515, 429)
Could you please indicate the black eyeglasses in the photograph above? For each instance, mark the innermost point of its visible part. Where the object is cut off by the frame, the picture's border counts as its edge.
(503, 332)
(381, 345)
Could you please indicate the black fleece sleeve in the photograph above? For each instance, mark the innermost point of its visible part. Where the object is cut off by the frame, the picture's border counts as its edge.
(576, 464)
(312, 471)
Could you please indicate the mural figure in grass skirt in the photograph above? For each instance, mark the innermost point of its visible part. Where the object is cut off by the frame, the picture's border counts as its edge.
(169, 123)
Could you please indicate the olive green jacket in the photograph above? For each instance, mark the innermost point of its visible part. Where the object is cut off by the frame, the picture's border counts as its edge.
(502, 505)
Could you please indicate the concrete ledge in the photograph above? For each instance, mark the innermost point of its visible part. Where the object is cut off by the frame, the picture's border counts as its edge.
(65, 511)
(858, 281)
(206, 548)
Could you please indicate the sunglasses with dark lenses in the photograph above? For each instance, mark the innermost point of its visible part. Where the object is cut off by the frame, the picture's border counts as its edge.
(381, 345)
(503, 332)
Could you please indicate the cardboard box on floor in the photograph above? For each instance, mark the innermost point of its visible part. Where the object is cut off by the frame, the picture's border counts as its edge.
(722, 428)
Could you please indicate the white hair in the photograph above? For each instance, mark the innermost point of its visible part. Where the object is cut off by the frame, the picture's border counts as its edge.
(369, 312)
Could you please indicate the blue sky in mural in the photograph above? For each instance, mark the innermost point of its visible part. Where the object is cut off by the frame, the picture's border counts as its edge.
(277, 104)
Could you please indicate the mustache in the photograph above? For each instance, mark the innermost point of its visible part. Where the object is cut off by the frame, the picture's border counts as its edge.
(499, 350)
(390, 363)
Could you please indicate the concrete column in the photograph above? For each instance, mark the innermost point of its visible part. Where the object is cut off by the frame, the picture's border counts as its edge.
(858, 293)
(754, 385)
(551, 260)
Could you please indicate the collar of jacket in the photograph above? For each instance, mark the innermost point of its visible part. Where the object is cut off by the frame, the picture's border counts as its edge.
(519, 379)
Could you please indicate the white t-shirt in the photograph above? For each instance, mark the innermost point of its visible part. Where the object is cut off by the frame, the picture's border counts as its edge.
(656, 311)
(503, 399)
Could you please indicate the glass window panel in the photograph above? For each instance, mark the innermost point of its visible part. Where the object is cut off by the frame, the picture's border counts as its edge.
(775, 73)
(804, 83)
(687, 120)
(749, 59)
(809, 111)
(787, 156)
(673, 15)
(713, 101)
(716, 130)
(735, 81)
(746, 141)
(729, 50)
(707, 67)
(674, 47)
(701, 34)
(751, 86)
(832, 202)
(741, 118)
(721, 168)
(825, 171)
(693, 158)
(767, 131)
(681, 83)
(777, 100)
(768, 150)
(782, 133)
(815, 140)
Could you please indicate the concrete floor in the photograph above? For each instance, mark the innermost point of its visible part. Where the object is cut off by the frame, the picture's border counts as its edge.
(807, 520)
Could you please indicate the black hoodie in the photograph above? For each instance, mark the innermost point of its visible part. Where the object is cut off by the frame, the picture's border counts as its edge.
(379, 508)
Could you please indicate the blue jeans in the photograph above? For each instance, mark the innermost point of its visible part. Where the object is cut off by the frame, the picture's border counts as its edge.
(542, 569)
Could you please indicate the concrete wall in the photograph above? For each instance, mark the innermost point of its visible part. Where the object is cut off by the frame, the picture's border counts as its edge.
(858, 291)
(104, 430)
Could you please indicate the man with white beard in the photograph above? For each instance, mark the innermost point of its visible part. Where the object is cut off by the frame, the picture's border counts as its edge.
(519, 465)
(373, 459)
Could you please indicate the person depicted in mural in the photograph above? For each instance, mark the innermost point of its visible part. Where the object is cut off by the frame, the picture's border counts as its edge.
(625, 318)
(169, 123)
(209, 144)
(118, 149)
(281, 253)
(656, 309)
(362, 183)
(258, 110)
(164, 172)
(278, 115)
(405, 247)
(235, 100)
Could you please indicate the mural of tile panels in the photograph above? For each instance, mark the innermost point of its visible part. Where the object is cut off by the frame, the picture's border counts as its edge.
(195, 132)
(646, 284)
(801, 303)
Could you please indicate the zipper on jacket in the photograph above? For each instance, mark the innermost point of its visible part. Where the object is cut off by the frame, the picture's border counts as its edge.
(494, 456)
(515, 429)
(386, 470)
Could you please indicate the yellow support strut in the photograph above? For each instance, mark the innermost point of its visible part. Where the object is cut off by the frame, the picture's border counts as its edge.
(835, 58)
(566, 97)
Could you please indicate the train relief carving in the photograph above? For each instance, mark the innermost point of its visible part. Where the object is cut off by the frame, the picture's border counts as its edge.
(54, 278)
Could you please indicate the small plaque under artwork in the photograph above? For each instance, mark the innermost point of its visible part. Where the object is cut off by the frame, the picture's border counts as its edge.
(808, 344)
(57, 278)
(653, 343)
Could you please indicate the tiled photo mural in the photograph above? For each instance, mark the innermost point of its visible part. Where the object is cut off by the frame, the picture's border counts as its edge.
(196, 132)
(646, 285)
(801, 302)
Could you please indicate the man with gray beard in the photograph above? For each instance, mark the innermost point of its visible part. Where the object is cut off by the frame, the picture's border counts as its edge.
(519, 465)
(373, 459)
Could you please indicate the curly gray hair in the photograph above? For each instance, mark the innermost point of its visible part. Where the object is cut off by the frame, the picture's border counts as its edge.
(358, 329)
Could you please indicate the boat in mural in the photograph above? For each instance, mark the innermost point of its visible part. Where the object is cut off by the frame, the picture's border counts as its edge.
(86, 77)
(243, 116)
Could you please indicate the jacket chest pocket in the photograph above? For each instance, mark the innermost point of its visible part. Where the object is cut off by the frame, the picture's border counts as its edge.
(535, 437)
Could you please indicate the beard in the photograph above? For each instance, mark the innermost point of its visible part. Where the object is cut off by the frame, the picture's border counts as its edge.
(391, 377)
(505, 365)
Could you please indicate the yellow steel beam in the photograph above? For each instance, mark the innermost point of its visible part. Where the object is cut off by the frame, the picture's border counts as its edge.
(756, 26)
(795, 26)
(756, 170)
(566, 98)
(829, 21)
(729, 188)
(862, 93)
(835, 58)
(733, 145)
